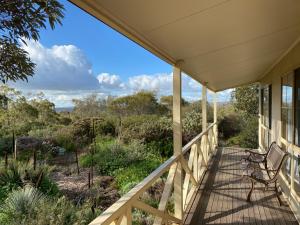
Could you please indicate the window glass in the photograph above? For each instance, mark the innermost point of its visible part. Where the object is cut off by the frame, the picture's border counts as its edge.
(297, 107)
(287, 108)
(266, 105)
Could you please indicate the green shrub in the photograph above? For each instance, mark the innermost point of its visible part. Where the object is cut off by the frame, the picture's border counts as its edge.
(192, 125)
(19, 174)
(146, 128)
(230, 125)
(112, 156)
(106, 126)
(21, 202)
(6, 145)
(163, 147)
(248, 137)
(128, 177)
(29, 206)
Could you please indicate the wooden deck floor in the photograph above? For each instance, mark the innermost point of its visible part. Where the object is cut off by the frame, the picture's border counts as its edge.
(221, 198)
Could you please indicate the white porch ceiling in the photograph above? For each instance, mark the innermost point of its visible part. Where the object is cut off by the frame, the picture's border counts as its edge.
(224, 43)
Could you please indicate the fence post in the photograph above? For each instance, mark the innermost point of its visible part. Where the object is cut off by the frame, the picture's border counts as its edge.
(177, 141)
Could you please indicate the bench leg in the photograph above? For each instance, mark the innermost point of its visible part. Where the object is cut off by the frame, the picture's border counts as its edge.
(250, 192)
(278, 194)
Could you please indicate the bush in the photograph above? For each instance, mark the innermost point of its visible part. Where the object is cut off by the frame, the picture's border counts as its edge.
(192, 125)
(163, 147)
(128, 177)
(20, 174)
(248, 137)
(29, 206)
(64, 138)
(146, 128)
(106, 126)
(230, 125)
(6, 145)
(112, 155)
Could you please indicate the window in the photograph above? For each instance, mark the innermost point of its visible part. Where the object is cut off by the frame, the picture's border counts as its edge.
(287, 107)
(297, 107)
(266, 117)
(290, 117)
(266, 99)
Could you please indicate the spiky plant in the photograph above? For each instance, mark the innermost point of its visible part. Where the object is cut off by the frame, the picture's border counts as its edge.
(22, 202)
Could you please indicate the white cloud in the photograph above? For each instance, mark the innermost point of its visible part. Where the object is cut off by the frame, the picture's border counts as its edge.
(63, 73)
(61, 67)
(160, 83)
(107, 80)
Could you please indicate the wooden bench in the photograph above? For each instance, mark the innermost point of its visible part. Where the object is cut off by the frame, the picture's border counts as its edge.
(271, 161)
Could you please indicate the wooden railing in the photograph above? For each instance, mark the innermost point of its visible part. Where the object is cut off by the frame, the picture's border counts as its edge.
(193, 159)
(288, 176)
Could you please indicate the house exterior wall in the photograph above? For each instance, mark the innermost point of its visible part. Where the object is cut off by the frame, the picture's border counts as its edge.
(288, 63)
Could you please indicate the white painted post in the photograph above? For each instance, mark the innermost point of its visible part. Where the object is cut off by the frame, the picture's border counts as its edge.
(259, 118)
(177, 141)
(204, 147)
(204, 115)
(215, 119)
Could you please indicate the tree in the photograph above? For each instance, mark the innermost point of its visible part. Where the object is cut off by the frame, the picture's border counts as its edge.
(90, 106)
(21, 20)
(168, 101)
(136, 104)
(245, 102)
(245, 99)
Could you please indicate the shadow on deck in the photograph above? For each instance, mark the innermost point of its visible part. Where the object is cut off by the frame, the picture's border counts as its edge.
(221, 197)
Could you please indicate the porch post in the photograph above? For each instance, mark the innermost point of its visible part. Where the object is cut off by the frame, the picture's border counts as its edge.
(259, 117)
(177, 141)
(204, 140)
(215, 119)
(204, 115)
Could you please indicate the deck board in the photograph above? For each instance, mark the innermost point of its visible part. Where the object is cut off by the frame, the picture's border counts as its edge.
(221, 197)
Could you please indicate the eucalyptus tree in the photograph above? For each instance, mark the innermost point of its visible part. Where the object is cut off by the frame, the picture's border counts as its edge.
(22, 20)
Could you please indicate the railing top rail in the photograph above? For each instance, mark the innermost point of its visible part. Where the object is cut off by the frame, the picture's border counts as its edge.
(195, 139)
(116, 210)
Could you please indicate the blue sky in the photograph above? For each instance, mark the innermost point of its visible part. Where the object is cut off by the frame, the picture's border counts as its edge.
(84, 56)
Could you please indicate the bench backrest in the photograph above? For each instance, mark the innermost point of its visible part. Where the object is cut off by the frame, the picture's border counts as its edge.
(275, 156)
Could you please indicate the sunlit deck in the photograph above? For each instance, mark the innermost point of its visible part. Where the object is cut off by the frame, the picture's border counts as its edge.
(221, 196)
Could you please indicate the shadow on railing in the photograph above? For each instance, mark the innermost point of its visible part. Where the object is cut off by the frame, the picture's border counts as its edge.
(193, 160)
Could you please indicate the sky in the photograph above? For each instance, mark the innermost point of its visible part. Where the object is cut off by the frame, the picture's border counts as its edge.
(85, 56)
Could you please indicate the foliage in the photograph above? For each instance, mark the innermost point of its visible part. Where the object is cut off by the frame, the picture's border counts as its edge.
(245, 102)
(128, 177)
(21, 202)
(106, 126)
(230, 125)
(246, 99)
(90, 106)
(22, 20)
(146, 128)
(167, 101)
(112, 155)
(129, 164)
(29, 206)
(140, 103)
(192, 125)
(249, 136)
(5, 145)
(20, 174)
